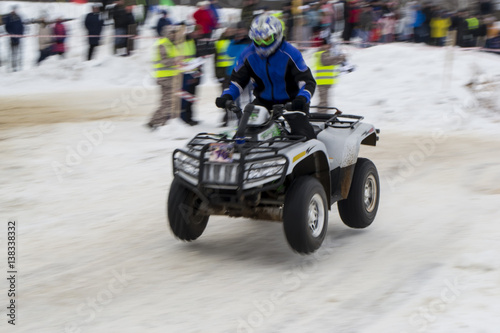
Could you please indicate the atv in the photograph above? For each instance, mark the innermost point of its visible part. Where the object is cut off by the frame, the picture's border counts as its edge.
(263, 172)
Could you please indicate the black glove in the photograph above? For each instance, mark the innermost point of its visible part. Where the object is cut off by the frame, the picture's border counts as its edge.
(300, 104)
(221, 101)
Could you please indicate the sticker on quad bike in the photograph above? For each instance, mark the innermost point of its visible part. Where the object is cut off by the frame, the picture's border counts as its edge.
(272, 132)
(221, 152)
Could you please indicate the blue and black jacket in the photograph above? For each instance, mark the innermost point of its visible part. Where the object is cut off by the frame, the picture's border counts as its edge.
(277, 79)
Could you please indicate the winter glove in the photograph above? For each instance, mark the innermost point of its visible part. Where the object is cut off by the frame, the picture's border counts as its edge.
(221, 101)
(300, 104)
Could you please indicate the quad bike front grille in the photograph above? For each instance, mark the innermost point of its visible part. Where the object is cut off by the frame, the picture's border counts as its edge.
(221, 173)
(254, 167)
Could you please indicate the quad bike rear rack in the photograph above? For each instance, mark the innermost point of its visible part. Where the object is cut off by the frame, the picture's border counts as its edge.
(337, 120)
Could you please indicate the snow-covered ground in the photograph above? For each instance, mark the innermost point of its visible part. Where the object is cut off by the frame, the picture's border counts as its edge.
(87, 184)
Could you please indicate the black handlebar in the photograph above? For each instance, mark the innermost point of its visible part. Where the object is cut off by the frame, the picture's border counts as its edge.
(279, 108)
(231, 106)
(240, 133)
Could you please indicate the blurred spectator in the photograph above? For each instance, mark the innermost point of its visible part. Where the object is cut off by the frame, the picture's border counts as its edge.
(204, 19)
(387, 28)
(105, 3)
(352, 19)
(93, 24)
(404, 28)
(326, 14)
(166, 61)
(376, 32)
(452, 31)
(420, 33)
(239, 43)
(59, 46)
(470, 27)
(214, 9)
(162, 22)
(297, 19)
(287, 18)
(428, 12)
(366, 24)
(131, 29)
(460, 25)
(316, 37)
(120, 22)
(492, 27)
(279, 16)
(191, 78)
(204, 45)
(14, 26)
(222, 60)
(326, 65)
(338, 16)
(482, 31)
(249, 6)
(492, 33)
(440, 24)
(45, 41)
(493, 38)
(486, 7)
(144, 5)
(264, 10)
(312, 20)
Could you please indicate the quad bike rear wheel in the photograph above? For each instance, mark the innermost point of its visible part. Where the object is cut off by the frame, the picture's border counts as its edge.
(358, 210)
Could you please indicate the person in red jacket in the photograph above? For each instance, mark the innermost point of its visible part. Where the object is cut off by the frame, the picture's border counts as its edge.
(205, 19)
(60, 31)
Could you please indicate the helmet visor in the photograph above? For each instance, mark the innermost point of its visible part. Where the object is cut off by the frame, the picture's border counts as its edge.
(264, 41)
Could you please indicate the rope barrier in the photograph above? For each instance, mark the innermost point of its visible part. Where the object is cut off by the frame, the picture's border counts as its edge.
(186, 96)
(477, 48)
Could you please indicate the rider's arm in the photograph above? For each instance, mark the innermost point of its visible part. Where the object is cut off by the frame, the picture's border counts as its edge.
(239, 77)
(302, 75)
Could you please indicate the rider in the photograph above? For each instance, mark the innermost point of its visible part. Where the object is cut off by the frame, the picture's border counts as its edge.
(278, 72)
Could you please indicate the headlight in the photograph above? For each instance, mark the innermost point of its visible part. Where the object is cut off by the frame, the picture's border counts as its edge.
(186, 164)
(265, 169)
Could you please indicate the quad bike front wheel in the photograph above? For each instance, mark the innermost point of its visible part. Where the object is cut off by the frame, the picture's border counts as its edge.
(358, 210)
(305, 215)
(186, 220)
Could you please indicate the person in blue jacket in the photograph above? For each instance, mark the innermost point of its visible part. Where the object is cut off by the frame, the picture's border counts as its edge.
(278, 72)
(162, 22)
(214, 9)
(236, 47)
(420, 33)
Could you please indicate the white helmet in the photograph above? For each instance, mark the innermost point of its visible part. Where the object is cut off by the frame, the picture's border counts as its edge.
(267, 33)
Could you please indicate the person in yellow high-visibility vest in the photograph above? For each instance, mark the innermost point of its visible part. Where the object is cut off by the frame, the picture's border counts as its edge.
(439, 24)
(326, 71)
(279, 16)
(472, 28)
(222, 60)
(167, 57)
